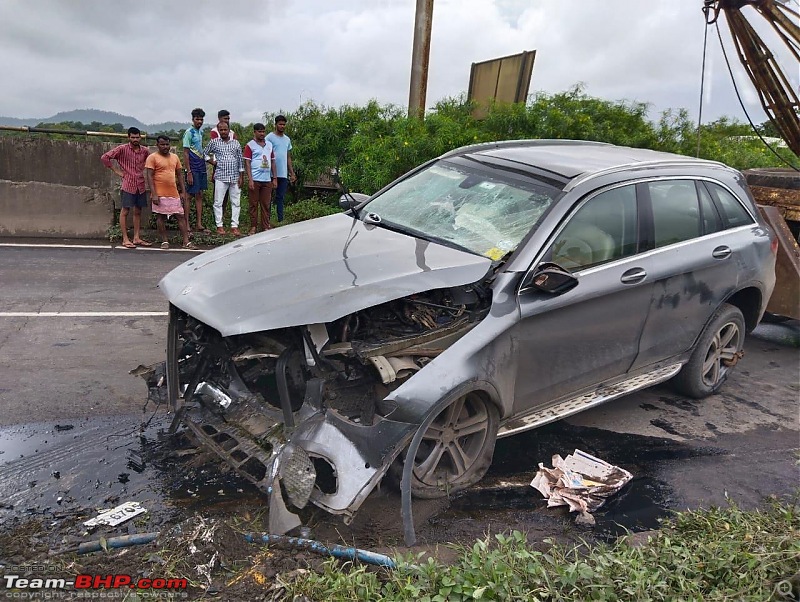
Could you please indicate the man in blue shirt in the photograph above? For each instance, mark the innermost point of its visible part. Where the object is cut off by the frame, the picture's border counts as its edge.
(194, 161)
(282, 146)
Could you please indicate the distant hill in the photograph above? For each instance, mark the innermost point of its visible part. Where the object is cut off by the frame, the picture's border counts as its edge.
(90, 115)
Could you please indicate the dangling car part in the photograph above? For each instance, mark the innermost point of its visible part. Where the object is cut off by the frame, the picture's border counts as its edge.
(487, 292)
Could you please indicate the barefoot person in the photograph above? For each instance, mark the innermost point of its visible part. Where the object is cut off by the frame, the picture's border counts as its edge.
(129, 159)
(163, 170)
(260, 169)
(196, 175)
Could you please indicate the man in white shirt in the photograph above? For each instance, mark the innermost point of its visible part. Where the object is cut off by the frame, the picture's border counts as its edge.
(259, 159)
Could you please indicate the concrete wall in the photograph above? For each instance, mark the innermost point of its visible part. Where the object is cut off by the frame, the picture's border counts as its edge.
(43, 210)
(57, 188)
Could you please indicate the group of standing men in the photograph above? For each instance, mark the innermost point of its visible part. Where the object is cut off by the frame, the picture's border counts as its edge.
(266, 162)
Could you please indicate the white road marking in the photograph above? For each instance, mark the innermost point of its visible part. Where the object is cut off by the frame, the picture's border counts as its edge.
(155, 247)
(81, 314)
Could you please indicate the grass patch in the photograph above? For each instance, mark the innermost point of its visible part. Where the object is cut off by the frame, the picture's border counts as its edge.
(716, 554)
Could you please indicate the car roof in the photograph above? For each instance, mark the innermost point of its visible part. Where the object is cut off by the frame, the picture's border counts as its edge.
(569, 159)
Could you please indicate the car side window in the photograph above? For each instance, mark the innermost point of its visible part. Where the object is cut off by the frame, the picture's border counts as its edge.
(733, 214)
(602, 229)
(711, 219)
(676, 211)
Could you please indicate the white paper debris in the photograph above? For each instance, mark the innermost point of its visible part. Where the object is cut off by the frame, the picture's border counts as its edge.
(581, 482)
(117, 515)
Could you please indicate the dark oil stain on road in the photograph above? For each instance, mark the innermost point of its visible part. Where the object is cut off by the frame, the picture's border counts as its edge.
(48, 472)
(64, 477)
(637, 507)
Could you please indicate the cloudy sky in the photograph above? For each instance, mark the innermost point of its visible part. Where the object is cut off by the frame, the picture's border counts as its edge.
(156, 60)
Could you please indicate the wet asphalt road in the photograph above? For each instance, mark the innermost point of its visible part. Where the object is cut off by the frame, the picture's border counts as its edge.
(65, 366)
(65, 370)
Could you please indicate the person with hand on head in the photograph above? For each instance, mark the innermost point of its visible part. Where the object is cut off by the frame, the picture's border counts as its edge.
(260, 161)
(162, 171)
(196, 175)
(225, 154)
(130, 159)
(282, 145)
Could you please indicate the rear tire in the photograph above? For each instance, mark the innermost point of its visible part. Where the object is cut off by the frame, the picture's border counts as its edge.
(717, 351)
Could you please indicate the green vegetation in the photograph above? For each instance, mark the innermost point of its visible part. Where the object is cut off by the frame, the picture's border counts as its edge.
(374, 144)
(716, 554)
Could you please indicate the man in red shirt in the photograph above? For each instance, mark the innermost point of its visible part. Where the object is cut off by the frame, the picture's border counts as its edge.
(130, 159)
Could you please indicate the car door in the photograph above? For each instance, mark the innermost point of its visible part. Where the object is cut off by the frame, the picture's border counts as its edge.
(692, 265)
(591, 333)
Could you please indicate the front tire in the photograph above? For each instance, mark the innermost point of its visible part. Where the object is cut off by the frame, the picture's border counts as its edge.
(456, 449)
(717, 351)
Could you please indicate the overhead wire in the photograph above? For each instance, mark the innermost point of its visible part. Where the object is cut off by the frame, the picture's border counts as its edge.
(702, 86)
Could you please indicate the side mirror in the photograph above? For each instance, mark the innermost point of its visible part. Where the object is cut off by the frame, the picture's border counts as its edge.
(552, 278)
(350, 199)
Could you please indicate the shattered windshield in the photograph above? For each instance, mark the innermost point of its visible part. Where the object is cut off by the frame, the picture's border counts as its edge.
(485, 212)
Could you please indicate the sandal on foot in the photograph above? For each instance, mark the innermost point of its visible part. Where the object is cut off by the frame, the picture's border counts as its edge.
(128, 245)
(142, 243)
(190, 245)
(165, 245)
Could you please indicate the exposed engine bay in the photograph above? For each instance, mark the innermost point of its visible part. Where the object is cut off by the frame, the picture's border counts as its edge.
(301, 411)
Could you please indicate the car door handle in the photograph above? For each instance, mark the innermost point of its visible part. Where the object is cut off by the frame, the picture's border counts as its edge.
(633, 276)
(722, 252)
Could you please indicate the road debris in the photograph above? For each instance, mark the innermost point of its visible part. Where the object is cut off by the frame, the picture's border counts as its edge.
(117, 515)
(123, 541)
(580, 481)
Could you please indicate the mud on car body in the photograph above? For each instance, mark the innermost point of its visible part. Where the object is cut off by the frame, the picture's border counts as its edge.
(487, 292)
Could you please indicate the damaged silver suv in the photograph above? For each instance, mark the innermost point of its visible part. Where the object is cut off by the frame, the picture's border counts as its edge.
(490, 291)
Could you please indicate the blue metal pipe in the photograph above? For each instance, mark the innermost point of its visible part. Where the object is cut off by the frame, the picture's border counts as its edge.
(337, 551)
(117, 542)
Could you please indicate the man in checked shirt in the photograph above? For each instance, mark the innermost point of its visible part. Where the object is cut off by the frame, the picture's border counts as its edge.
(228, 165)
(130, 160)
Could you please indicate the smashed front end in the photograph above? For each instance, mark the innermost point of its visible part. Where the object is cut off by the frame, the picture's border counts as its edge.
(301, 411)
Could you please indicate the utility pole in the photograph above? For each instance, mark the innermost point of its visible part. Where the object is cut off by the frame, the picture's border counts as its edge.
(420, 57)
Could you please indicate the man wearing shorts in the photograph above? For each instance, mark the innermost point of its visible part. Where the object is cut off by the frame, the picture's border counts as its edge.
(130, 159)
(163, 170)
(196, 176)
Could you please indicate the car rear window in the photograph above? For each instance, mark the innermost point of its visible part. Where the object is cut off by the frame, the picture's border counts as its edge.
(733, 213)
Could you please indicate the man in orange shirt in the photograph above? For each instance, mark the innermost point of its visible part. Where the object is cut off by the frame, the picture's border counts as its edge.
(163, 170)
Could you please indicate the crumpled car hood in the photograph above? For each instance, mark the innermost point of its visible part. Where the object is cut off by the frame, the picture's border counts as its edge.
(312, 272)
